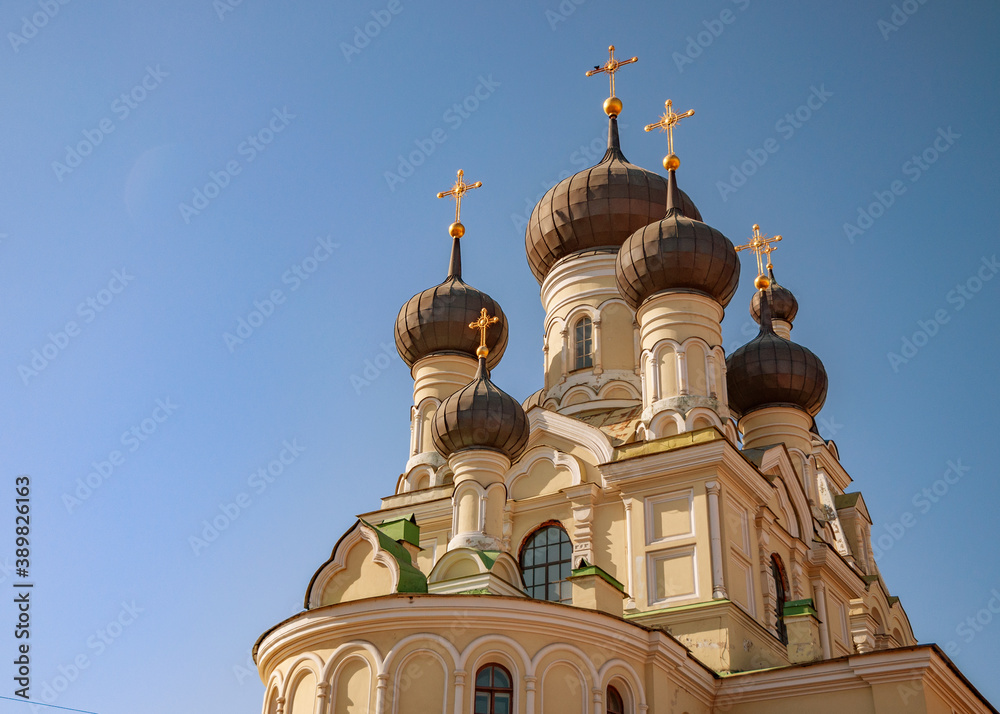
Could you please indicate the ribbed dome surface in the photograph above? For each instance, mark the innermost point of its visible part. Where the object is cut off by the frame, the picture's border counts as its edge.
(677, 253)
(783, 304)
(437, 319)
(598, 207)
(480, 416)
(772, 371)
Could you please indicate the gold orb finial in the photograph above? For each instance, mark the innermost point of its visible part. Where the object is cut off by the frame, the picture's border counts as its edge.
(762, 282)
(671, 162)
(456, 230)
(612, 105)
(482, 351)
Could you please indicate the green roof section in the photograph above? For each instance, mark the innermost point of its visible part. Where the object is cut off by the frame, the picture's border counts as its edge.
(489, 557)
(799, 607)
(846, 500)
(678, 608)
(405, 529)
(586, 569)
(411, 580)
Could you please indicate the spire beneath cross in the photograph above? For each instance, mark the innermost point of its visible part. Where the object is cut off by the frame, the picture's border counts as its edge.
(612, 105)
(667, 122)
(761, 245)
(483, 324)
(457, 191)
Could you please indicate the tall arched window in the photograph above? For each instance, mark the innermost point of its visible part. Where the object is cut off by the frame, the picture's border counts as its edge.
(547, 560)
(583, 341)
(615, 704)
(494, 690)
(778, 573)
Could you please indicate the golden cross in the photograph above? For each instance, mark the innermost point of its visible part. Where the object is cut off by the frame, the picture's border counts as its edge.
(760, 245)
(611, 66)
(458, 190)
(483, 324)
(667, 123)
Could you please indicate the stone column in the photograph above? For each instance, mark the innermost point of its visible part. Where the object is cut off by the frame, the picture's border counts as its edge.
(459, 691)
(715, 539)
(479, 499)
(819, 597)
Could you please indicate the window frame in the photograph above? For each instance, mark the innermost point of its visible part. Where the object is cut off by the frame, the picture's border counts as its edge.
(780, 596)
(587, 357)
(491, 690)
(607, 700)
(528, 544)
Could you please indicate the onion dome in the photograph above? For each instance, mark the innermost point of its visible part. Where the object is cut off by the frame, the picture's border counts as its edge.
(770, 371)
(437, 319)
(783, 304)
(677, 253)
(598, 207)
(480, 416)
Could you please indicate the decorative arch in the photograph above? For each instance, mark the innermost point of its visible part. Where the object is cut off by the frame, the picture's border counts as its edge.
(701, 418)
(666, 423)
(536, 454)
(479, 649)
(616, 672)
(399, 686)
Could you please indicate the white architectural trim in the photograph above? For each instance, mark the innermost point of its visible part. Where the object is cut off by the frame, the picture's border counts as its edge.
(590, 437)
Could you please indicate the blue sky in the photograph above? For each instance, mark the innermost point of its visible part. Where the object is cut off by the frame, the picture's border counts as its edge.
(169, 168)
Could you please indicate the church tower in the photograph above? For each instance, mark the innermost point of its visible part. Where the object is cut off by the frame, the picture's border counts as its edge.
(657, 529)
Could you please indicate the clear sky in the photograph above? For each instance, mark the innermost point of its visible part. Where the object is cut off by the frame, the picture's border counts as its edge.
(169, 166)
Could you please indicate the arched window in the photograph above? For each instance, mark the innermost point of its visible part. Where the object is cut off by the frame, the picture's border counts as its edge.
(583, 342)
(778, 573)
(615, 704)
(547, 560)
(494, 690)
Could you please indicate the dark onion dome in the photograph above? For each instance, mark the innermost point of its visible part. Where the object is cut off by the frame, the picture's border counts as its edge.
(480, 416)
(783, 304)
(678, 253)
(437, 319)
(597, 207)
(770, 371)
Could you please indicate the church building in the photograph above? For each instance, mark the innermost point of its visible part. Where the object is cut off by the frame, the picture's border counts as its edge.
(659, 528)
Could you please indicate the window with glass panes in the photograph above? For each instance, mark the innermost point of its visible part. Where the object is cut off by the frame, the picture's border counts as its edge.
(494, 691)
(547, 560)
(584, 341)
(615, 704)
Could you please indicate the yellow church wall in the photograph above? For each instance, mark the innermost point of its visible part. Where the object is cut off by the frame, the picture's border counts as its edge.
(353, 687)
(617, 337)
(854, 701)
(303, 695)
(562, 690)
(419, 685)
(609, 540)
(361, 577)
(553, 359)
